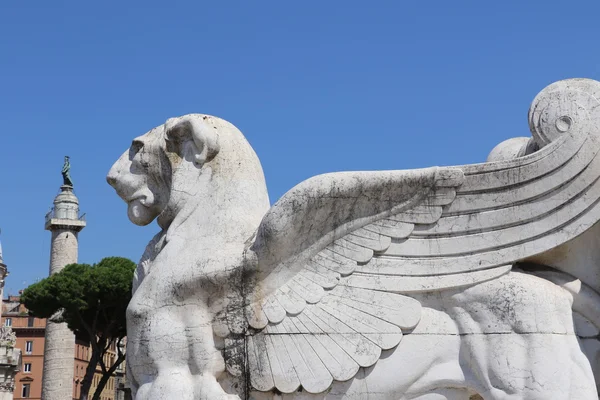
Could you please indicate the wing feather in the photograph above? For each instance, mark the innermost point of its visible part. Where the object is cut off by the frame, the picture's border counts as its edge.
(383, 334)
(424, 283)
(292, 303)
(273, 310)
(337, 262)
(402, 311)
(308, 290)
(352, 251)
(327, 282)
(488, 181)
(327, 273)
(311, 371)
(256, 316)
(258, 360)
(441, 196)
(419, 215)
(391, 228)
(282, 367)
(339, 364)
(369, 240)
(362, 350)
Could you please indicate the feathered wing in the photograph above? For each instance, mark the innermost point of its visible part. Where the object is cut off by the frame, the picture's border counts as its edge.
(339, 255)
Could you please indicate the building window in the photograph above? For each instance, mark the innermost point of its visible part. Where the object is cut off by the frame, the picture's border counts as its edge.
(25, 390)
(8, 322)
(30, 321)
(27, 367)
(28, 347)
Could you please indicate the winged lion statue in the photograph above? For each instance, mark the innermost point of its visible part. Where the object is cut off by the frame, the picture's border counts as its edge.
(469, 282)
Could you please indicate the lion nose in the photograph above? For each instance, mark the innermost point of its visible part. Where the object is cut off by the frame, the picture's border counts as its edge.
(111, 178)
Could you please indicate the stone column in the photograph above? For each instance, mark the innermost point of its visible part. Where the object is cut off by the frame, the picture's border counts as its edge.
(59, 350)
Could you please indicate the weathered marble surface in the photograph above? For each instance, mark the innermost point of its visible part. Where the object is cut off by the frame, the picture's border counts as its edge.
(475, 281)
(10, 362)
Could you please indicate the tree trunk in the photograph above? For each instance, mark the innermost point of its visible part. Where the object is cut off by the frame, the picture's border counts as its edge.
(106, 376)
(89, 376)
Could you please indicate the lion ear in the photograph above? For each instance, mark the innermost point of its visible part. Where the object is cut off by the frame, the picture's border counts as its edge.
(197, 129)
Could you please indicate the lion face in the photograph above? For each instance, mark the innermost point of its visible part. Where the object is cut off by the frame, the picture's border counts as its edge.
(162, 166)
(141, 176)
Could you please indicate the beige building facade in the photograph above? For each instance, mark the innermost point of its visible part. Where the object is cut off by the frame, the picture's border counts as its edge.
(31, 339)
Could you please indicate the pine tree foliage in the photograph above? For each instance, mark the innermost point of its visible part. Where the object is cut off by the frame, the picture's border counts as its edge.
(92, 300)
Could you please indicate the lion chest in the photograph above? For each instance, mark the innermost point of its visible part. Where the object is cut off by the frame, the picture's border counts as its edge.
(184, 274)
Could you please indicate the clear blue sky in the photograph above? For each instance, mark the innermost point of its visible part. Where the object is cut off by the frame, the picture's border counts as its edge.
(316, 86)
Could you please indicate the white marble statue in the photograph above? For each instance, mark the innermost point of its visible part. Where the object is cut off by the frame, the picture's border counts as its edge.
(470, 282)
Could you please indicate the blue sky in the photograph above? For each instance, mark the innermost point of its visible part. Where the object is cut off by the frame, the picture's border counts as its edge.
(316, 86)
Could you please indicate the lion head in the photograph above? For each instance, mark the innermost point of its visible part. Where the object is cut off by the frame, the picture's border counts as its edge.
(189, 161)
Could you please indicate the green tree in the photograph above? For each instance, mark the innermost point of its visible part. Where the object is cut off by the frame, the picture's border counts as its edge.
(92, 300)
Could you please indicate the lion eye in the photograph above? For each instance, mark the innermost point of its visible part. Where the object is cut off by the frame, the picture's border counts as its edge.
(136, 146)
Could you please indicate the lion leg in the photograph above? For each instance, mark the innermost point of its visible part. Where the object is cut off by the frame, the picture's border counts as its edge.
(518, 340)
(171, 383)
(207, 387)
(175, 383)
(529, 366)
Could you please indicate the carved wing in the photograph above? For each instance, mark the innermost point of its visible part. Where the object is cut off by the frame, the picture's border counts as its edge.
(339, 255)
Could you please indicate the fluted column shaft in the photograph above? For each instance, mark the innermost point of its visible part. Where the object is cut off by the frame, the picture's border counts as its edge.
(59, 350)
